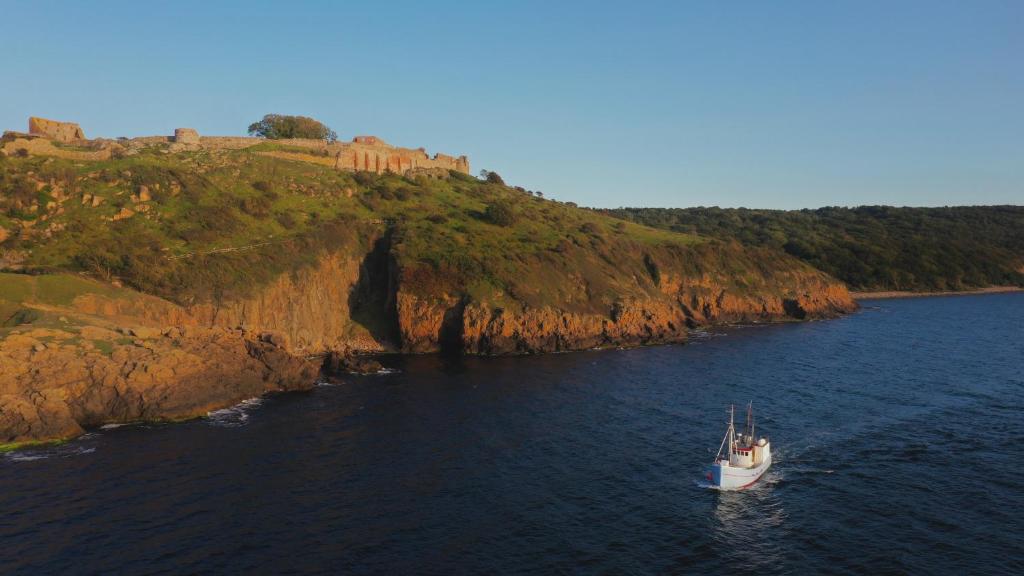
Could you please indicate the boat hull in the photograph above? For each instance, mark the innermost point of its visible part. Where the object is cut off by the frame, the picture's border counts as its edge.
(726, 477)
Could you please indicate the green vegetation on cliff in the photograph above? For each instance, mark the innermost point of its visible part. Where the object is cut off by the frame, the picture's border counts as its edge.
(872, 247)
(214, 226)
(421, 261)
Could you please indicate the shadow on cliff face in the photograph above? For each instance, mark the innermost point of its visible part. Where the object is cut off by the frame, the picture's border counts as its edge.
(372, 302)
(794, 309)
(452, 330)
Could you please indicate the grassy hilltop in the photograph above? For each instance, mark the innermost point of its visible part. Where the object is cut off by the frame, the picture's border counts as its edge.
(130, 218)
(202, 226)
(872, 247)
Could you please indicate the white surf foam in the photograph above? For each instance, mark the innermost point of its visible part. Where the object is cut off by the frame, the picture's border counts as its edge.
(235, 416)
(58, 451)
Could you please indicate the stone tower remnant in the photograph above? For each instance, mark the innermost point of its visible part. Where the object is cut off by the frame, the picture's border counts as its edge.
(186, 136)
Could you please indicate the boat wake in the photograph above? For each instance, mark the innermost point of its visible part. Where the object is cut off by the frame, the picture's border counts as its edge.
(811, 470)
(235, 416)
(705, 485)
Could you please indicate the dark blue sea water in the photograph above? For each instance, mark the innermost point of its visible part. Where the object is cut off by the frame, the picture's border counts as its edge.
(898, 437)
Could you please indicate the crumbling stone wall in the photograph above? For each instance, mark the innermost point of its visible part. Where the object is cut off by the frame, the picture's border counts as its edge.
(371, 154)
(54, 130)
(13, 144)
(363, 153)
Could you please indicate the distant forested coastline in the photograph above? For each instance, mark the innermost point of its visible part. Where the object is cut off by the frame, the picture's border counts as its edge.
(872, 247)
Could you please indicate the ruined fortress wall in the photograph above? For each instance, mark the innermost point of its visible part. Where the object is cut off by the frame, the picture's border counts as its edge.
(59, 131)
(228, 142)
(13, 145)
(151, 139)
(364, 153)
(379, 157)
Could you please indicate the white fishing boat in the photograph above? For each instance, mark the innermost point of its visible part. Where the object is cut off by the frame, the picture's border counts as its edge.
(742, 458)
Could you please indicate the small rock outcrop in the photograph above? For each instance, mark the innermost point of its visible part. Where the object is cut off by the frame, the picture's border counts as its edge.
(337, 364)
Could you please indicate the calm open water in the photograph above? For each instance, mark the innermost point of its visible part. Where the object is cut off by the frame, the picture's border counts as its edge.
(898, 435)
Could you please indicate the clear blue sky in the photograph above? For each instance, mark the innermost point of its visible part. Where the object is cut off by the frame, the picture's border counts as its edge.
(758, 104)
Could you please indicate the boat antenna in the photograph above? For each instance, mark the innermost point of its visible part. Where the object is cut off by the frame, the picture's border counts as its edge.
(750, 414)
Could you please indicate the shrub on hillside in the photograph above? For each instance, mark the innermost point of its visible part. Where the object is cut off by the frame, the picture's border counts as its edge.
(255, 206)
(365, 178)
(500, 213)
(285, 219)
(279, 126)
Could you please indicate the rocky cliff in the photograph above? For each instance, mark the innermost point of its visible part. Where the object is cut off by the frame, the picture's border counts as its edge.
(55, 388)
(115, 356)
(171, 282)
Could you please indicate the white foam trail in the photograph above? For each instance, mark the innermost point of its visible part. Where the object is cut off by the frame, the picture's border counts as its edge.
(26, 456)
(235, 416)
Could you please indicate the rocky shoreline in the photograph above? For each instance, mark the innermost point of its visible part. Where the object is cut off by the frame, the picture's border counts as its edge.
(907, 294)
(186, 372)
(82, 353)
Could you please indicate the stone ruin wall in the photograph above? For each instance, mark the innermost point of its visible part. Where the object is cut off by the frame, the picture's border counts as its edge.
(364, 153)
(54, 130)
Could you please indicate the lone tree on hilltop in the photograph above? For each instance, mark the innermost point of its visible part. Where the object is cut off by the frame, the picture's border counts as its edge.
(491, 177)
(278, 126)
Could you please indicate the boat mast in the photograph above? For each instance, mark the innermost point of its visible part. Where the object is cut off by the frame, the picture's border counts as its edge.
(732, 429)
(750, 415)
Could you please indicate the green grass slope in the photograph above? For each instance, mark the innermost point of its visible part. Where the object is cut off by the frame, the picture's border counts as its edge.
(215, 226)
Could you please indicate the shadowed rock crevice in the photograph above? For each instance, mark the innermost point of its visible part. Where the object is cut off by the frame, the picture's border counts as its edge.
(372, 301)
(450, 338)
(794, 309)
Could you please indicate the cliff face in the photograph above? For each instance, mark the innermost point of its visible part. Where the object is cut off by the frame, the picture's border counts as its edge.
(52, 389)
(312, 309)
(178, 363)
(356, 302)
(646, 309)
